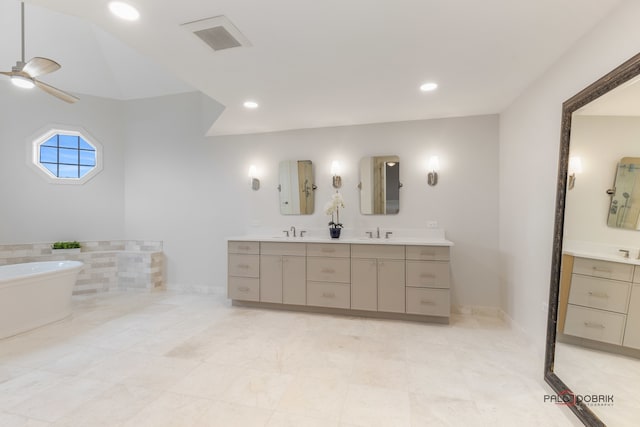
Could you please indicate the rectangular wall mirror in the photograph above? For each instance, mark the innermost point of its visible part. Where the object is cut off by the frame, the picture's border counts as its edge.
(296, 187)
(624, 210)
(380, 185)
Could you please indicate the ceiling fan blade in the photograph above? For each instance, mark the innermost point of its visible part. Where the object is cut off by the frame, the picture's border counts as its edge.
(67, 97)
(6, 73)
(40, 66)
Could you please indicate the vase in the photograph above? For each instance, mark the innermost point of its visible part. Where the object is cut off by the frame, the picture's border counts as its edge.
(335, 232)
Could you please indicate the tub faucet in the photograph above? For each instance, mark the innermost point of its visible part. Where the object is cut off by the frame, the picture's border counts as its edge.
(293, 230)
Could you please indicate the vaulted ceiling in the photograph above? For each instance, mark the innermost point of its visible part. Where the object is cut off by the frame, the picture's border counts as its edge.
(312, 63)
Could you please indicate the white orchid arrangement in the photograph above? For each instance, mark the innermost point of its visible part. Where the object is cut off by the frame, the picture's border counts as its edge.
(333, 206)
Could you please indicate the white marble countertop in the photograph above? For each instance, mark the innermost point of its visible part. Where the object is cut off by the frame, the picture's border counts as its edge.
(417, 241)
(601, 252)
(602, 256)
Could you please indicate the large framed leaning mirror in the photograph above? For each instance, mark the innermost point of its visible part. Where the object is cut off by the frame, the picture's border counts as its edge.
(592, 358)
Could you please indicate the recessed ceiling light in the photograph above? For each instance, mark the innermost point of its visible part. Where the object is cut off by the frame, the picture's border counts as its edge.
(252, 105)
(428, 87)
(124, 10)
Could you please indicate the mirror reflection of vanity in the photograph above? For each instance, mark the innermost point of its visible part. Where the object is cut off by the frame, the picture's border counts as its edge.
(296, 186)
(380, 185)
(593, 340)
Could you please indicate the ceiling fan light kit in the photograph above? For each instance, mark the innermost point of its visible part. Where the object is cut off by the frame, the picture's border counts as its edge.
(24, 74)
(22, 82)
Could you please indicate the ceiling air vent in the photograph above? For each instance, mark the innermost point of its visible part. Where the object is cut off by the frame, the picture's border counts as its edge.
(218, 33)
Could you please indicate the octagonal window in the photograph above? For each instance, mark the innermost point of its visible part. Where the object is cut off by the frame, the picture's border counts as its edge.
(67, 156)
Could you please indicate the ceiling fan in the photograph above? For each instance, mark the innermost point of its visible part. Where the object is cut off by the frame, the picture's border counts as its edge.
(24, 74)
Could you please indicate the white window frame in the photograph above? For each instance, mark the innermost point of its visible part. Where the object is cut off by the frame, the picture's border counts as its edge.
(44, 135)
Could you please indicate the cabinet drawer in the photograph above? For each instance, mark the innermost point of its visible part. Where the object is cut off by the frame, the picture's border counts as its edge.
(429, 302)
(244, 265)
(323, 294)
(277, 248)
(321, 269)
(235, 247)
(244, 288)
(377, 251)
(636, 276)
(428, 252)
(328, 250)
(599, 293)
(597, 325)
(604, 269)
(429, 274)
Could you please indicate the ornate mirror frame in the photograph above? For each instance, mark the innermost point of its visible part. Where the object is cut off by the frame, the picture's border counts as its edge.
(615, 78)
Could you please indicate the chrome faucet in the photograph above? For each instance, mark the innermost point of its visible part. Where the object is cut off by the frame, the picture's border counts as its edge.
(370, 233)
(302, 233)
(378, 232)
(387, 234)
(625, 252)
(293, 230)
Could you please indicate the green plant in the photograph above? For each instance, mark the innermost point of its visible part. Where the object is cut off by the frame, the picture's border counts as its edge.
(65, 245)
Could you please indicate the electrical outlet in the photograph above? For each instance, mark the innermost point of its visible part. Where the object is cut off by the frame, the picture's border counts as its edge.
(432, 224)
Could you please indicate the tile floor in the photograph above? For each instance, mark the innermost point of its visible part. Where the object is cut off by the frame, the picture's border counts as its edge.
(589, 372)
(167, 359)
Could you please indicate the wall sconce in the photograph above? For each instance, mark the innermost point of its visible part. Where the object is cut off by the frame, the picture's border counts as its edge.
(255, 182)
(432, 171)
(575, 166)
(335, 171)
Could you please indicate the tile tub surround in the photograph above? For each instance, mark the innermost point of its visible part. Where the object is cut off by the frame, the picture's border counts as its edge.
(109, 264)
(166, 359)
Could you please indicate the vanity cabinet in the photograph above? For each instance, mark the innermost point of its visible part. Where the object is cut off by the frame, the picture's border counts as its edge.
(398, 281)
(283, 273)
(378, 278)
(328, 275)
(427, 290)
(244, 271)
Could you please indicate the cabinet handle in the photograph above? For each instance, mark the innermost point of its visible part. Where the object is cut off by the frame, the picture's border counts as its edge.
(328, 295)
(243, 266)
(594, 325)
(426, 302)
(327, 250)
(243, 289)
(328, 270)
(601, 270)
(598, 295)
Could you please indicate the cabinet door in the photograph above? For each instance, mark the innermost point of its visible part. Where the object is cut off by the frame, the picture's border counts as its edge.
(391, 293)
(294, 282)
(271, 278)
(632, 329)
(364, 284)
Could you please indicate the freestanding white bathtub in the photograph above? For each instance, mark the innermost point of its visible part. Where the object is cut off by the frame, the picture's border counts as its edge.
(35, 293)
